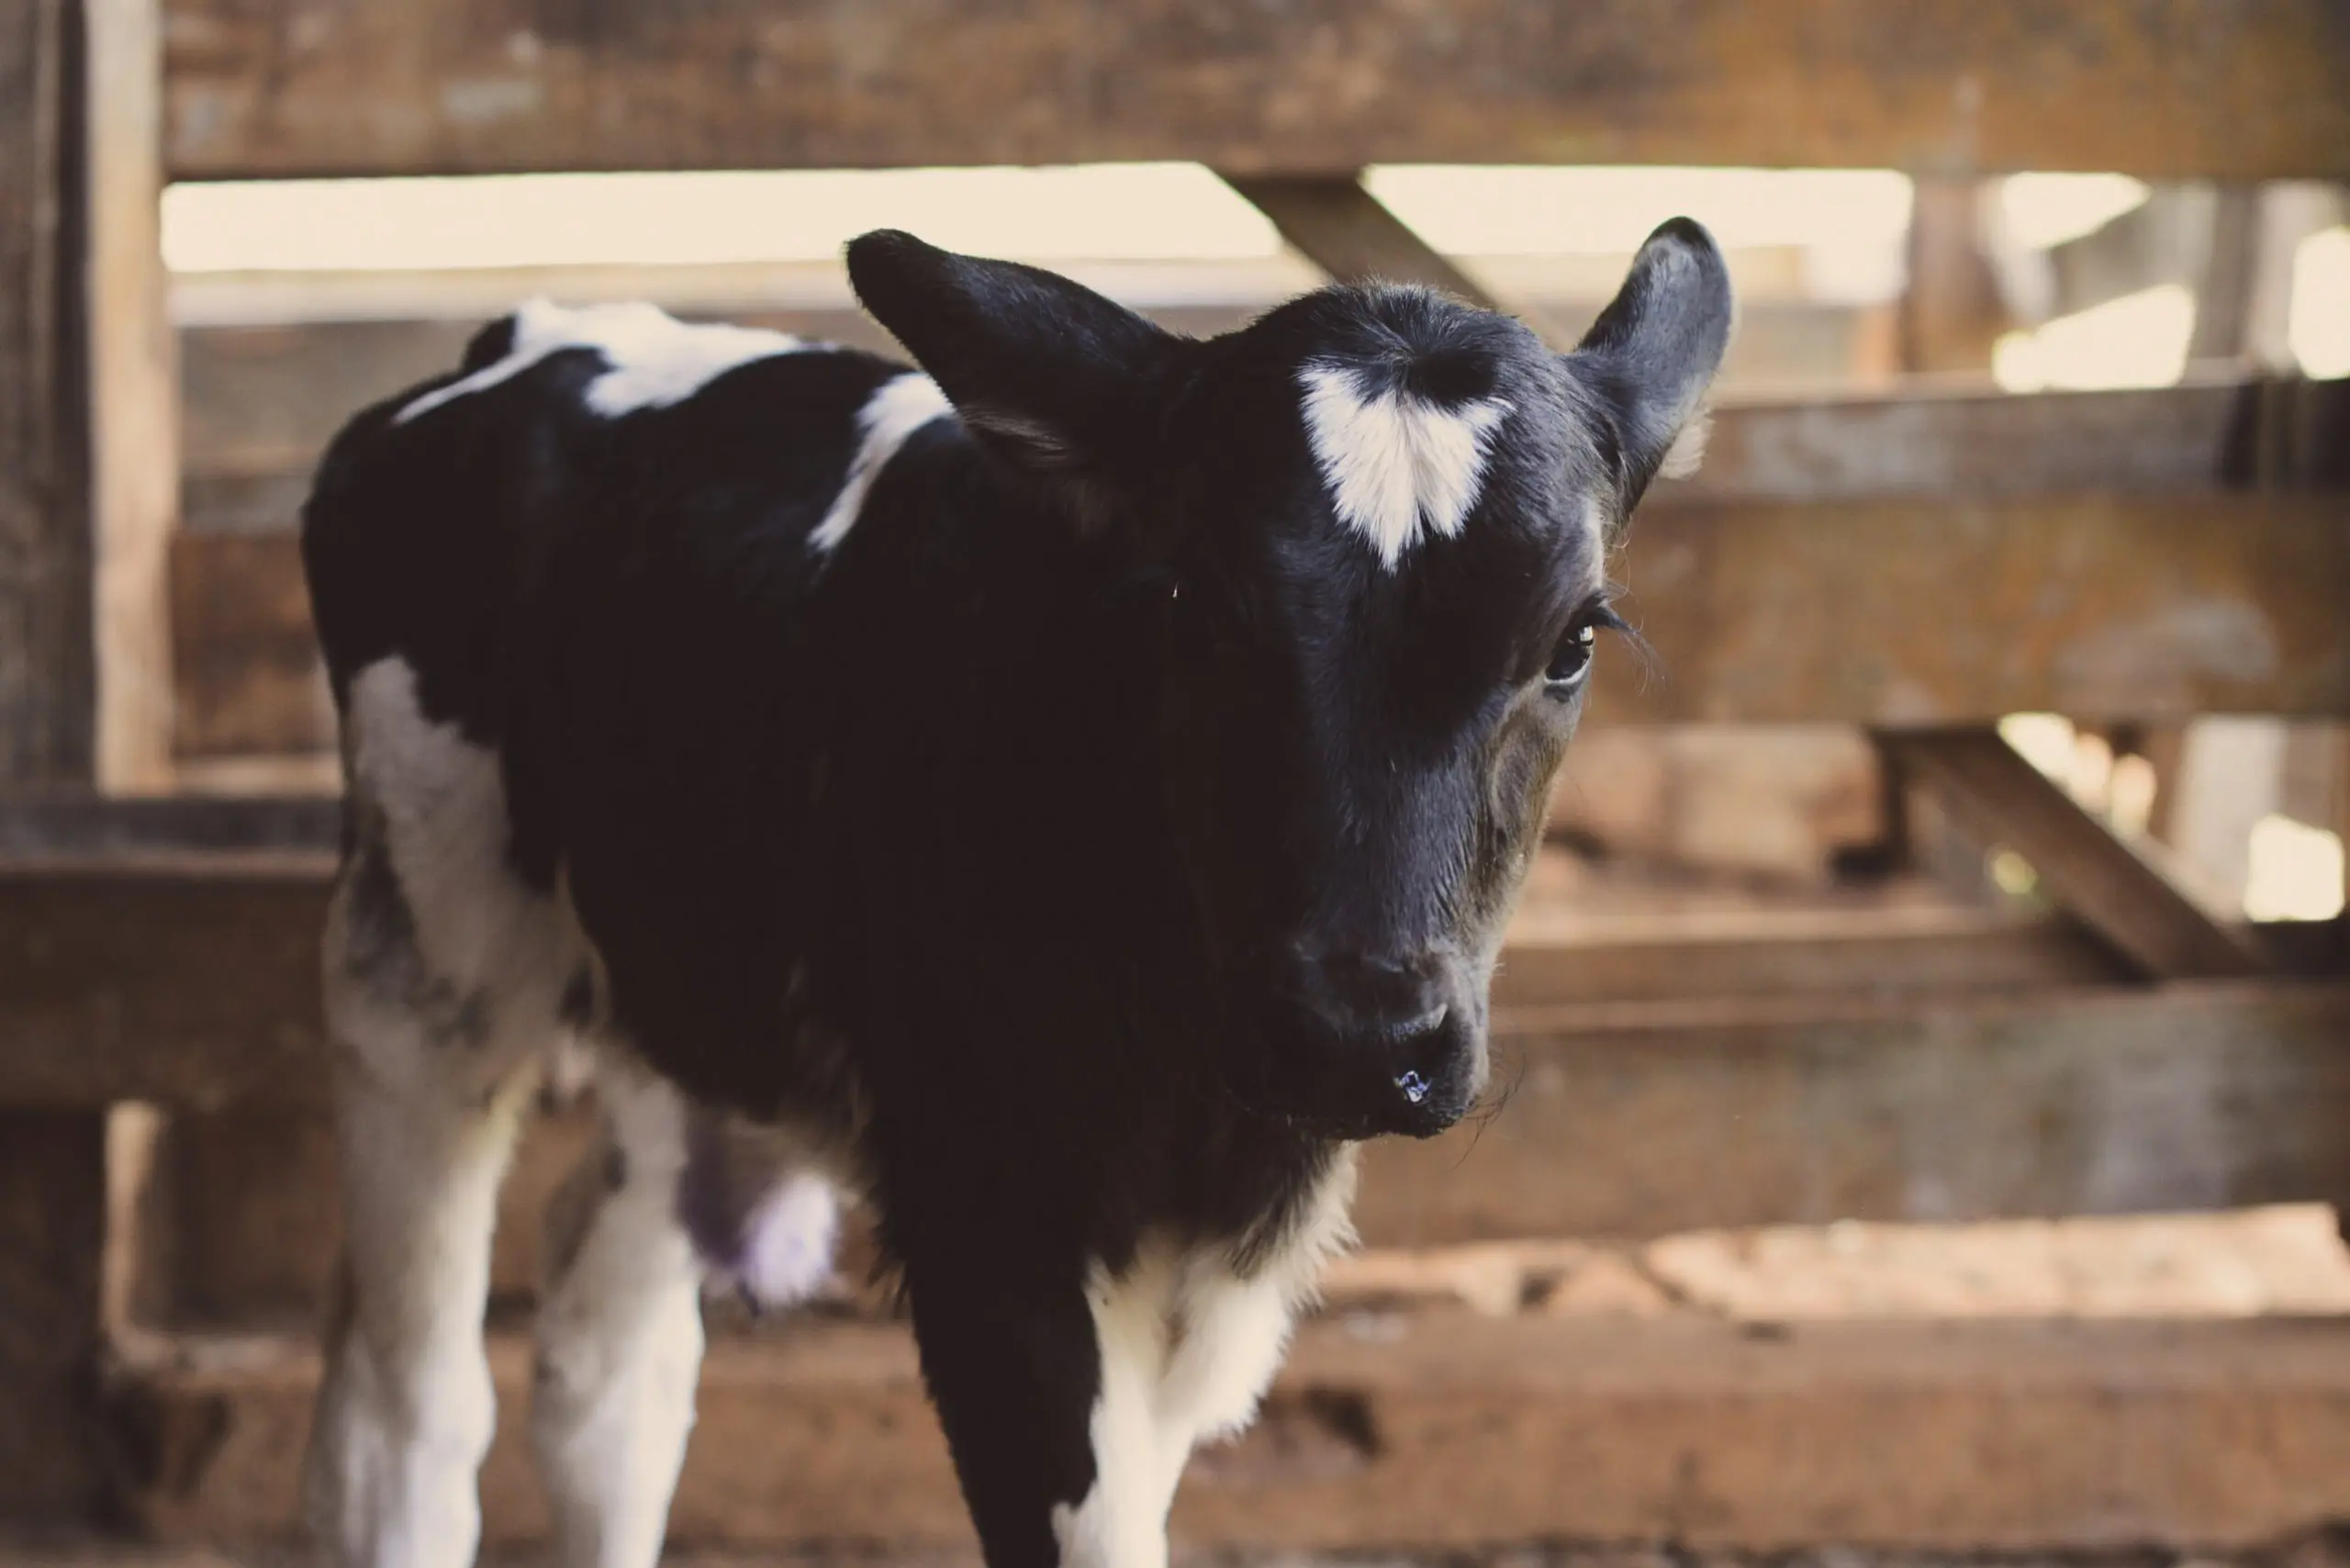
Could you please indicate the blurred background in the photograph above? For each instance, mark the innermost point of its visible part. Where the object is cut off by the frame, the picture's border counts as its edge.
(1926, 1037)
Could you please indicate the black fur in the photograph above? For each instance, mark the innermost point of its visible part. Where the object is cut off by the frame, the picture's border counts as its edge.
(1088, 832)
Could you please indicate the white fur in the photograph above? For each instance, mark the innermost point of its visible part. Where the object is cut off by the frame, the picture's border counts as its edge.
(790, 1238)
(654, 359)
(426, 1125)
(1187, 1346)
(442, 803)
(900, 407)
(1396, 465)
(620, 1345)
(428, 1114)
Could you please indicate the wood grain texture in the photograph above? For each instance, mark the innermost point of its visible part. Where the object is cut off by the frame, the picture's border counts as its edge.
(1926, 611)
(1965, 1082)
(52, 1171)
(52, 1217)
(2233, 88)
(2081, 862)
(262, 399)
(1643, 1119)
(1438, 1430)
(134, 397)
(47, 672)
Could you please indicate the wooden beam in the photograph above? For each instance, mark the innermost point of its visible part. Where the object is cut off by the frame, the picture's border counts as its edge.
(53, 1169)
(188, 981)
(264, 397)
(1954, 440)
(1962, 1083)
(47, 675)
(1923, 953)
(52, 1224)
(1443, 1432)
(134, 396)
(2084, 867)
(1348, 233)
(2220, 88)
(1953, 311)
(1643, 1119)
(1902, 612)
(249, 674)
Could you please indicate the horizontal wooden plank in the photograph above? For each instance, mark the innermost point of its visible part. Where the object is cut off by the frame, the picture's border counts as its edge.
(2215, 88)
(1947, 610)
(1959, 438)
(1863, 950)
(1899, 612)
(1641, 1119)
(1443, 1431)
(1957, 1085)
(189, 980)
(261, 399)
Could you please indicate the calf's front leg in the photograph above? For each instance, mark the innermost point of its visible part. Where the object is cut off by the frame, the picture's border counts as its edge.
(1071, 1396)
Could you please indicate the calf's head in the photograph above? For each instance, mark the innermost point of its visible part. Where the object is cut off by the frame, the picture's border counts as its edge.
(1375, 522)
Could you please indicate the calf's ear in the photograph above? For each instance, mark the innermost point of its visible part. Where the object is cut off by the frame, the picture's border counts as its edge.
(1050, 374)
(1654, 352)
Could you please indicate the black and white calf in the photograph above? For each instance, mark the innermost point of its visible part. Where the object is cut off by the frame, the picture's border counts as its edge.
(1065, 796)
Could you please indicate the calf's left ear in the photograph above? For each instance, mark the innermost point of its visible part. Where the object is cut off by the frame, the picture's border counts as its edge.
(1654, 350)
(1047, 374)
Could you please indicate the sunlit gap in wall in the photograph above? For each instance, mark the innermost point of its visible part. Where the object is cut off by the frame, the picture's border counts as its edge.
(1853, 219)
(2287, 870)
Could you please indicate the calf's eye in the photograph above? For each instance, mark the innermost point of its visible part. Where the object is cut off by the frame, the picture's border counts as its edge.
(1571, 660)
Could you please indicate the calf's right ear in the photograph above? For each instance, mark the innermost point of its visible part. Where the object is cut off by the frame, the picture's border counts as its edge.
(1052, 376)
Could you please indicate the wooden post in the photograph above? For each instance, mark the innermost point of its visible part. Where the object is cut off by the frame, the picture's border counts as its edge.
(1952, 313)
(134, 391)
(48, 677)
(52, 1172)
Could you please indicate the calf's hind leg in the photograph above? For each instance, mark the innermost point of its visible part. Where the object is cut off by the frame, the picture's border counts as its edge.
(426, 1125)
(620, 1334)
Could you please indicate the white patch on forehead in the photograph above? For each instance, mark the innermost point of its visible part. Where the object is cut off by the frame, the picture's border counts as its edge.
(898, 407)
(655, 359)
(1396, 464)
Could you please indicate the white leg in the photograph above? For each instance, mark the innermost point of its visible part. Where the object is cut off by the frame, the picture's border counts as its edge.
(1187, 1346)
(443, 974)
(406, 1411)
(619, 1337)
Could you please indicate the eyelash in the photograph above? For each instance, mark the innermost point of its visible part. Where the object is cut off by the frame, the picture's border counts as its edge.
(1569, 661)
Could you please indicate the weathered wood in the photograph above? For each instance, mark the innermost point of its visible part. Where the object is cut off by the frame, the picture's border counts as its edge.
(134, 397)
(52, 1220)
(192, 982)
(2083, 865)
(1900, 612)
(2221, 88)
(1953, 441)
(1440, 1429)
(1959, 1085)
(1920, 954)
(47, 679)
(52, 1171)
(248, 671)
(1952, 310)
(1341, 227)
(1643, 1119)
(2148, 608)
(262, 399)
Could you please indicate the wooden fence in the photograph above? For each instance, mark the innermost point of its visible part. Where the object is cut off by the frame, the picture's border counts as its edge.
(1919, 564)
